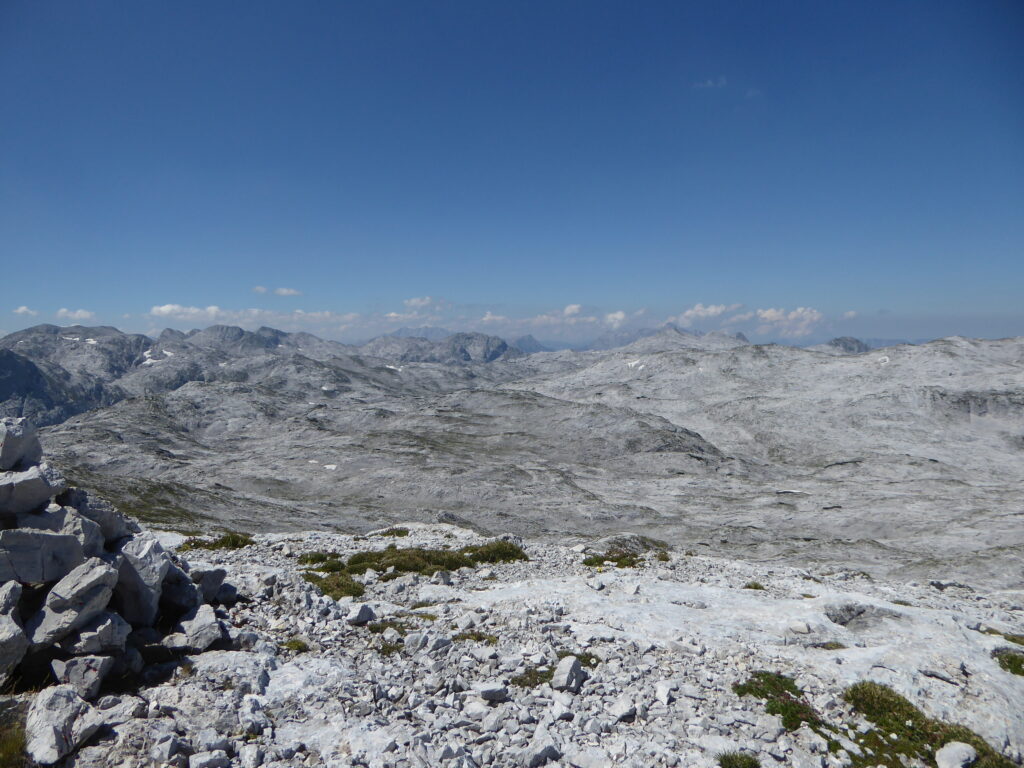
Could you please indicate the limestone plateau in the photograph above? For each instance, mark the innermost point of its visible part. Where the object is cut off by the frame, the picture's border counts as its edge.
(261, 548)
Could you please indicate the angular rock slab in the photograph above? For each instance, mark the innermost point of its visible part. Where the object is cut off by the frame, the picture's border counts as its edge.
(66, 520)
(22, 492)
(72, 602)
(83, 673)
(58, 722)
(38, 557)
(198, 631)
(112, 523)
(141, 578)
(19, 444)
(105, 633)
(569, 675)
(13, 641)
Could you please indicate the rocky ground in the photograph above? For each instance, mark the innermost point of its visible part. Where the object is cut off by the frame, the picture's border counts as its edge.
(454, 668)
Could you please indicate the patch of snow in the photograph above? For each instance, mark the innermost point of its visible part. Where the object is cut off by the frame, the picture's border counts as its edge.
(91, 341)
(330, 466)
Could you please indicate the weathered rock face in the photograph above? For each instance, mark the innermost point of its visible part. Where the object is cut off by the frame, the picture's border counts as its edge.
(22, 492)
(73, 601)
(37, 557)
(143, 568)
(13, 641)
(19, 445)
(58, 722)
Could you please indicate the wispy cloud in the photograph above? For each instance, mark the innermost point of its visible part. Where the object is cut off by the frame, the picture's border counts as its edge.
(490, 317)
(789, 325)
(75, 314)
(572, 309)
(615, 319)
(419, 302)
(849, 314)
(23, 310)
(712, 82)
(259, 289)
(699, 311)
(287, 292)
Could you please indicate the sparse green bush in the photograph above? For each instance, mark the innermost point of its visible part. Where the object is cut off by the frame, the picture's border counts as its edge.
(386, 649)
(379, 627)
(753, 585)
(831, 645)
(228, 540)
(1018, 639)
(494, 552)
(737, 760)
(618, 557)
(395, 532)
(783, 699)
(296, 644)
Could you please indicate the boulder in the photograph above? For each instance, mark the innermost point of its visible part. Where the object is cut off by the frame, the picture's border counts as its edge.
(955, 754)
(197, 631)
(58, 722)
(83, 673)
(112, 523)
(360, 614)
(19, 445)
(208, 578)
(72, 602)
(13, 641)
(66, 520)
(178, 594)
(140, 581)
(104, 633)
(569, 675)
(38, 557)
(25, 491)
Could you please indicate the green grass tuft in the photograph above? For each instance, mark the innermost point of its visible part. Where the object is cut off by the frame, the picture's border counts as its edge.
(494, 552)
(230, 540)
(335, 585)
(533, 677)
(737, 760)
(1018, 639)
(296, 644)
(12, 747)
(475, 636)
(395, 532)
(753, 585)
(831, 645)
(783, 699)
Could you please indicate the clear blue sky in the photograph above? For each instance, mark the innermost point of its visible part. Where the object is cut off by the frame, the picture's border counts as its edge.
(512, 160)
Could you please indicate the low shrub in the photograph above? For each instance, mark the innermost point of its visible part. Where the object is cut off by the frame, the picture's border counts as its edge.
(228, 540)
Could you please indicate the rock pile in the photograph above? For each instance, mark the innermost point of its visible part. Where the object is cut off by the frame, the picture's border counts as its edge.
(89, 600)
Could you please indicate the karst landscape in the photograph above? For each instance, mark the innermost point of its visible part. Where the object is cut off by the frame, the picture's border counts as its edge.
(238, 548)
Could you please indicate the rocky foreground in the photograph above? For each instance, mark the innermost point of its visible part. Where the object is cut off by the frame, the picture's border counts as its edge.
(429, 645)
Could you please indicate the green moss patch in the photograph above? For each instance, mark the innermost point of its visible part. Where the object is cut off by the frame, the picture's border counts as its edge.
(753, 585)
(1011, 661)
(335, 585)
(475, 636)
(533, 677)
(395, 532)
(296, 644)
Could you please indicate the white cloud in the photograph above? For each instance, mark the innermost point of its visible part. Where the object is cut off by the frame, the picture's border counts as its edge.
(572, 309)
(615, 319)
(287, 292)
(259, 289)
(740, 318)
(850, 314)
(180, 312)
(791, 325)
(419, 302)
(490, 317)
(23, 310)
(712, 82)
(75, 314)
(253, 318)
(700, 312)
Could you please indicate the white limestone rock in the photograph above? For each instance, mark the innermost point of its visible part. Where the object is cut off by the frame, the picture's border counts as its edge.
(22, 492)
(83, 673)
(72, 602)
(569, 675)
(140, 580)
(38, 557)
(955, 754)
(19, 444)
(104, 633)
(13, 641)
(59, 720)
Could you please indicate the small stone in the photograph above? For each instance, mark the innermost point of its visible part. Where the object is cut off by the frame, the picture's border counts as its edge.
(491, 690)
(569, 675)
(955, 754)
(360, 614)
(215, 759)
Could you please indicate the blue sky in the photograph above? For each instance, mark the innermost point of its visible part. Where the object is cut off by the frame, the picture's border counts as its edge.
(794, 170)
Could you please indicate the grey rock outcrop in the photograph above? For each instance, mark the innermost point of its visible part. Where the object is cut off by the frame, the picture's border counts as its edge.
(59, 720)
(22, 492)
(569, 675)
(73, 601)
(83, 673)
(13, 641)
(19, 445)
(37, 557)
(955, 754)
(140, 581)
